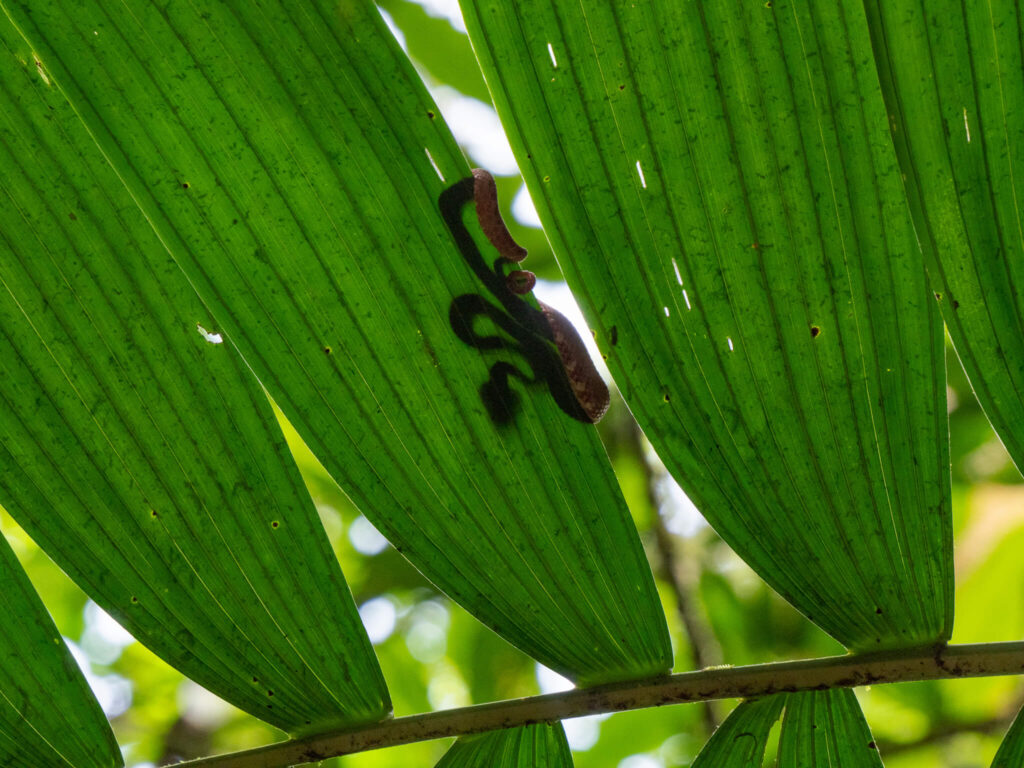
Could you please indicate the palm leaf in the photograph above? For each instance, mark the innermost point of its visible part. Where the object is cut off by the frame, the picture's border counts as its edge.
(953, 82)
(262, 145)
(38, 670)
(532, 746)
(145, 459)
(719, 187)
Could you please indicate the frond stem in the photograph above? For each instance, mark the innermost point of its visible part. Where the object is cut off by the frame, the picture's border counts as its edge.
(902, 665)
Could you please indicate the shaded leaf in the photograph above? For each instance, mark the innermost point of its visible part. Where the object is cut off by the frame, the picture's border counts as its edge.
(139, 451)
(952, 78)
(740, 741)
(532, 746)
(719, 186)
(826, 728)
(38, 670)
(292, 164)
(1011, 751)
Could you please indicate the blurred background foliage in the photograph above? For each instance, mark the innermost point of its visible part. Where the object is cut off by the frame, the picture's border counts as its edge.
(435, 656)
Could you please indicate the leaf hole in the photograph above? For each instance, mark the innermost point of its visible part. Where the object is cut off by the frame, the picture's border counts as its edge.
(815, 330)
(275, 524)
(437, 170)
(551, 53)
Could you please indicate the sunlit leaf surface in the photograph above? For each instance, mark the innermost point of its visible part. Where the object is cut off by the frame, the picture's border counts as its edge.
(719, 186)
(139, 451)
(953, 77)
(38, 671)
(292, 164)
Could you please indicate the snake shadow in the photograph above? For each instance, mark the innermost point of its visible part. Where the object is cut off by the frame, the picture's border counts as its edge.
(515, 326)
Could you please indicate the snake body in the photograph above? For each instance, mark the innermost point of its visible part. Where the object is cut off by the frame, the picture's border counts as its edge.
(587, 385)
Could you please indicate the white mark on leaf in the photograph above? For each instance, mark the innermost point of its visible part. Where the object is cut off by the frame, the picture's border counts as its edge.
(551, 53)
(686, 299)
(639, 170)
(967, 127)
(430, 157)
(679, 277)
(729, 339)
(666, 311)
(41, 71)
(213, 338)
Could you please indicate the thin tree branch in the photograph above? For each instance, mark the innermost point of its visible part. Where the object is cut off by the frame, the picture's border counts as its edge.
(904, 665)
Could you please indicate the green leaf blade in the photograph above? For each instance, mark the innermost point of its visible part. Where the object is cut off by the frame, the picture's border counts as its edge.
(143, 457)
(730, 218)
(953, 88)
(39, 670)
(306, 226)
(740, 741)
(531, 746)
(826, 727)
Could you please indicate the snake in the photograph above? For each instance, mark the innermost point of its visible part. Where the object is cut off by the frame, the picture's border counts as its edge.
(587, 385)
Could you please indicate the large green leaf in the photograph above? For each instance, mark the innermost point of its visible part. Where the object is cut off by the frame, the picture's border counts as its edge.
(740, 741)
(145, 459)
(532, 746)
(826, 728)
(719, 186)
(293, 165)
(1011, 751)
(953, 77)
(37, 671)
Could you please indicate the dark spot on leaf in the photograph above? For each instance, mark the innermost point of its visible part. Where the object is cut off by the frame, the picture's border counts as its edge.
(938, 297)
(872, 745)
(878, 611)
(327, 350)
(768, 4)
(666, 397)
(956, 304)
(622, 87)
(275, 524)
(135, 599)
(153, 513)
(547, 179)
(815, 330)
(184, 185)
(72, 217)
(234, 221)
(270, 693)
(613, 335)
(430, 114)
(255, 679)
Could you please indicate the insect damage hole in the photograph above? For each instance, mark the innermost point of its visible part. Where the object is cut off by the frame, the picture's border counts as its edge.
(551, 53)
(640, 171)
(437, 170)
(213, 338)
(679, 277)
(42, 72)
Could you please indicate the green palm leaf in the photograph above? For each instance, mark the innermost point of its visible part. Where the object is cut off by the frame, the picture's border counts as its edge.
(293, 166)
(145, 459)
(741, 740)
(719, 186)
(532, 746)
(826, 728)
(38, 670)
(1011, 751)
(952, 78)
